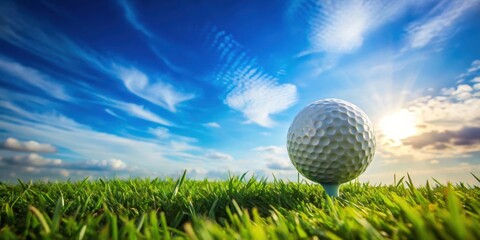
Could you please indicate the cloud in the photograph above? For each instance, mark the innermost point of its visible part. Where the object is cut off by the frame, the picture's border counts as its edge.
(456, 106)
(475, 66)
(103, 165)
(177, 141)
(339, 27)
(158, 92)
(212, 124)
(218, 156)
(33, 78)
(462, 92)
(275, 158)
(249, 89)
(160, 132)
(257, 100)
(34, 160)
(109, 111)
(271, 149)
(141, 112)
(280, 166)
(132, 17)
(472, 71)
(22, 31)
(28, 146)
(31, 160)
(19, 29)
(438, 24)
(466, 136)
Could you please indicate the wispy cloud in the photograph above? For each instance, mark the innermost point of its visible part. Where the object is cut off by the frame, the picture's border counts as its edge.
(473, 71)
(212, 125)
(271, 149)
(141, 112)
(439, 24)
(275, 158)
(32, 77)
(218, 156)
(179, 141)
(155, 91)
(51, 45)
(28, 146)
(160, 132)
(132, 17)
(22, 31)
(159, 46)
(340, 27)
(250, 90)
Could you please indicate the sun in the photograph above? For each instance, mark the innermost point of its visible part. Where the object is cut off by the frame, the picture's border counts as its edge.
(399, 125)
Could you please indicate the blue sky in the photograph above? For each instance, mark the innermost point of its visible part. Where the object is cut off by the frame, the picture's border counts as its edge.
(127, 88)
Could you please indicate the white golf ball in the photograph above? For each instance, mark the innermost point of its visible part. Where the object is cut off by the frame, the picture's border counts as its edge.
(331, 141)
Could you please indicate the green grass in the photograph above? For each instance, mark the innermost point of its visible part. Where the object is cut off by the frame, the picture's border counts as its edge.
(237, 208)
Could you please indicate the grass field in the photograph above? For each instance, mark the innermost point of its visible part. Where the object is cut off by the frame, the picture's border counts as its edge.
(237, 208)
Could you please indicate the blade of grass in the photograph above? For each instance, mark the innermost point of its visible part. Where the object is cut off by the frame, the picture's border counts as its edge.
(40, 218)
(178, 184)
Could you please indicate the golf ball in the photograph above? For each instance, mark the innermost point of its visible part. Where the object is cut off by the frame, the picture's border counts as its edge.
(331, 141)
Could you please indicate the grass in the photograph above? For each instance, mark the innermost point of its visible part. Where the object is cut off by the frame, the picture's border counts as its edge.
(237, 208)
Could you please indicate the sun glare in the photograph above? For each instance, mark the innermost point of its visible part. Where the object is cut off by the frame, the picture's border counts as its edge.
(399, 125)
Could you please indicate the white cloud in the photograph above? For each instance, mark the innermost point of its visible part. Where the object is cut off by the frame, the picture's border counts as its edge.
(109, 111)
(250, 90)
(340, 27)
(28, 146)
(141, 112)
(176, 142)
(109, 165)
(475, 66)
(438, 24)
(132, 17)
(461, 92)
(35, 161)
(218, 156)
(271, 149)
(160, 132)
(33, 78)
(212, 124)
(258, 100)
(275, 158)
(24, 32)
(158, 92)
(30, 160)
(476, 86)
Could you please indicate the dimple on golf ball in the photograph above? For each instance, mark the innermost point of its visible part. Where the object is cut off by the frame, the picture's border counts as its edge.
(331, 141)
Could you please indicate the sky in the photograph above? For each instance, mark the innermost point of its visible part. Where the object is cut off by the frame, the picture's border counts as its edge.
(150, 88)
